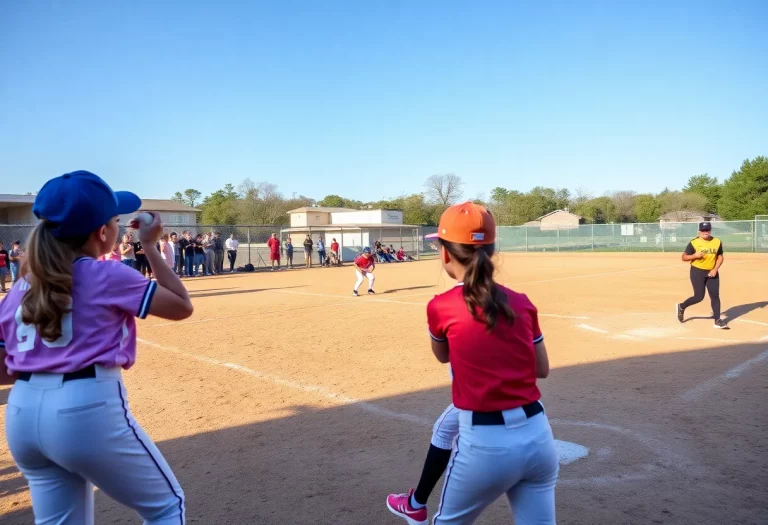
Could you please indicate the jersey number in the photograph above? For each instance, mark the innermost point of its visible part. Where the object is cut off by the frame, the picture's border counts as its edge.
(27, 333)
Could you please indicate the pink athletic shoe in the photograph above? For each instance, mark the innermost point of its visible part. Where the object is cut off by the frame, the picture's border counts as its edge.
(400, 505)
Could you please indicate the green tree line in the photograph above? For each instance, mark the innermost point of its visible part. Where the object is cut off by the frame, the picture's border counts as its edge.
(740, 197)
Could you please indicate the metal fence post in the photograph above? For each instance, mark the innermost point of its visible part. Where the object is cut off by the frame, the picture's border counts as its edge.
(661, 230)
(249, 245)
(593, 237)
(419, 233)
(526, 238)
(558, 238)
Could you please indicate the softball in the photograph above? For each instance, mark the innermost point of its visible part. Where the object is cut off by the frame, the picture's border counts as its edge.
(145, 218)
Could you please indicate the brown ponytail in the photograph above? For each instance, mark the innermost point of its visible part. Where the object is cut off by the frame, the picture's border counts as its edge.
(485, 301)
(47, 268)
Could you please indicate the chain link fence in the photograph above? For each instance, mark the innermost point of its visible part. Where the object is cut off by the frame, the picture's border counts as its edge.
(252, 239)
(737, 236)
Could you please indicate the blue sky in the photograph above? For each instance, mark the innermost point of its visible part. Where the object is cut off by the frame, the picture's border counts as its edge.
(367, 99)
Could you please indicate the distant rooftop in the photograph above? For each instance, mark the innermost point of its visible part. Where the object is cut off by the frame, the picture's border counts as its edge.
(165, 205)
(146, 204)
(321, 209)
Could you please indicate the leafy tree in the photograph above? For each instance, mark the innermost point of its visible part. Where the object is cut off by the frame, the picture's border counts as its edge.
(678, 202)
(647, 208)
(706, 186)
(332, 201)
(190, 197)
(745, 192)
(601, 210)
(220, 207)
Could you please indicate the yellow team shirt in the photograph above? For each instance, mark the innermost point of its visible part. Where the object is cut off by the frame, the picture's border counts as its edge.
(711, 249)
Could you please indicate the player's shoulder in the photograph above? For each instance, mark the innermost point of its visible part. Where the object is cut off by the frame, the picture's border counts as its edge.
(517, 300)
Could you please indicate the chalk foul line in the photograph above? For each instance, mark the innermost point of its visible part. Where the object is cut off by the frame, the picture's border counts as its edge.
(591, 329)
(698, 391)
(750, 321)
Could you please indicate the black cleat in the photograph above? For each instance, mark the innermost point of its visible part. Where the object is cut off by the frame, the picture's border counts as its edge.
(680, 312)
(354, 292)
(721, 325)
(371, 292)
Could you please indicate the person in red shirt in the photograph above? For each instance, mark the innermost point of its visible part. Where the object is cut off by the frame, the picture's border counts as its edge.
(495, 435)
(4, 263)
(335, 259)
(364, 267)
(274, 251)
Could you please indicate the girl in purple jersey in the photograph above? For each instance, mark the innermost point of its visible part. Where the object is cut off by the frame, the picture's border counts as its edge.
(66, 332)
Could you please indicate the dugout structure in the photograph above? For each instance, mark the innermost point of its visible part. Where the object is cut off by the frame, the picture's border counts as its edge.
(352, 239)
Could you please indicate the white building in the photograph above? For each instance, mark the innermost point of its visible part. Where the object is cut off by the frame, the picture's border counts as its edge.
(352, 229)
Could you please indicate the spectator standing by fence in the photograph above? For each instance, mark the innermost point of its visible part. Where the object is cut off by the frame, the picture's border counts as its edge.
(178, 266)
(289, 253)
(308, 251)
(321, 250)
(127, 253)
(218, 251)
(166, 250)
(232, 245)
(199, 254)
(15, 258)
(142, 264)
(274, 251)
(4, 261)
(208, 265)
(335, 252)
(187, 249)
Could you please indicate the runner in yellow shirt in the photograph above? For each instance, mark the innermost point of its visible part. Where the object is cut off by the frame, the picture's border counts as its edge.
(705, 253)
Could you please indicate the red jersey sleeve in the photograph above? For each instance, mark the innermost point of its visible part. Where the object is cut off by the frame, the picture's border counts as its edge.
(435, 322)
(537, 335)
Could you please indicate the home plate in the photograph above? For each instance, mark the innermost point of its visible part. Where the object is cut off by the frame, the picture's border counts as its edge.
(568, 452)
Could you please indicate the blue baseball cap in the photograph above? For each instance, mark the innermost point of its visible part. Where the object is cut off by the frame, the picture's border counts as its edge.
(76, 204)
(366, 250)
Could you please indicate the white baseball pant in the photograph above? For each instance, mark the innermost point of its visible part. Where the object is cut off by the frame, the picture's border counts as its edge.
(518, 459)
(67, 437)
(360, 275)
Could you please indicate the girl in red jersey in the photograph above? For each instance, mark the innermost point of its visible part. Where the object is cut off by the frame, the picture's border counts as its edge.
(364, 267)
(505, 444)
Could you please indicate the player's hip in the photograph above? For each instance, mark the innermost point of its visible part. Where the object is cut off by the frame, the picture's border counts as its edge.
(58, 414)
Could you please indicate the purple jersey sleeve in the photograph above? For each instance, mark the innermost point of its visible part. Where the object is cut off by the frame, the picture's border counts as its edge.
(128, 290)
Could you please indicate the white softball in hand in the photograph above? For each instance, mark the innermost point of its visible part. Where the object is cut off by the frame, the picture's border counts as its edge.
(145, 218)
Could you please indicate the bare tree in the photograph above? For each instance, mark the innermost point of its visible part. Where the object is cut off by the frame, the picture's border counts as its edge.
(625, 205)
(444, 189)
(580, 196)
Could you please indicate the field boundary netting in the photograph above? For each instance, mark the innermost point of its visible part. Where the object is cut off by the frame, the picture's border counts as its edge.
(737, 236)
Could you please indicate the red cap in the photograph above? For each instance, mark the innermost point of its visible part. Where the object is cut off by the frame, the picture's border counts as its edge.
(466, 223)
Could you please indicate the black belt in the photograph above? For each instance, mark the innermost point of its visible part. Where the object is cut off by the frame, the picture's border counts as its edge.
(86, 373)
(497, 418)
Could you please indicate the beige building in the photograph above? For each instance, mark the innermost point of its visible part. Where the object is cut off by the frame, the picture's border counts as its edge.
(17, 209)
(557, 220)
(352, 229)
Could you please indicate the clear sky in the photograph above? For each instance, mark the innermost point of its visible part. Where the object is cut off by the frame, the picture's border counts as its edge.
(367, 99)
